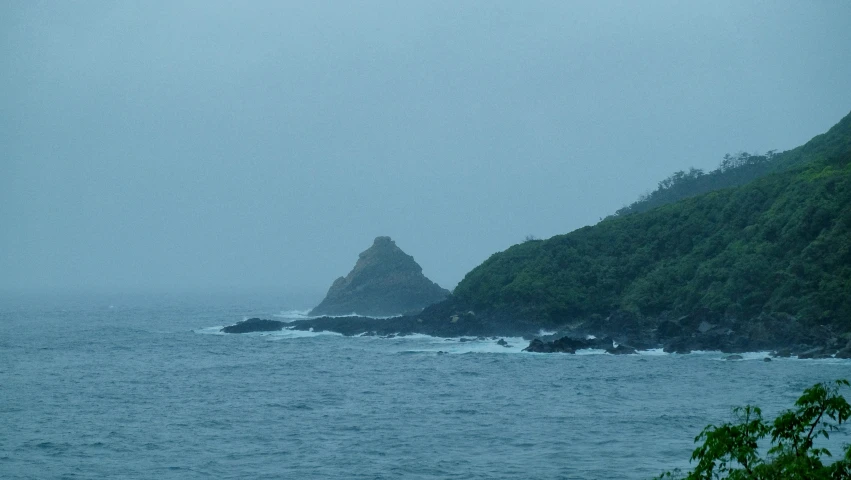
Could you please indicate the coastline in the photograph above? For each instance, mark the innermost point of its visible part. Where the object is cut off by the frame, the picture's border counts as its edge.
(619, 333)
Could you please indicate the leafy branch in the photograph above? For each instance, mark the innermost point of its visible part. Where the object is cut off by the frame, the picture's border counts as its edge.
(731, 451)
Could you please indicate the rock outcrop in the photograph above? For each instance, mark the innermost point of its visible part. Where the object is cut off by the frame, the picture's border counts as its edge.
(384, 282)
(254, 325)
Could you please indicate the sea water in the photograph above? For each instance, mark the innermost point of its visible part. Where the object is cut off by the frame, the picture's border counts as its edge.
(146, 387)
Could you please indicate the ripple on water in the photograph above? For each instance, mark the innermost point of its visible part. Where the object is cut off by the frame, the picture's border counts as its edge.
(134, 401)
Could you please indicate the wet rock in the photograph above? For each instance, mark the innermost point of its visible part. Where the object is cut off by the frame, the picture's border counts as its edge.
(669, 329)
(561, 345)
(766, 359)
(254, 325)
(733, 357)
(680, 345)
(782, 353)
(502, 342)
(537, 346)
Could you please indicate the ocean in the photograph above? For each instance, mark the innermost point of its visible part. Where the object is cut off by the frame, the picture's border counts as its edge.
(144, 386)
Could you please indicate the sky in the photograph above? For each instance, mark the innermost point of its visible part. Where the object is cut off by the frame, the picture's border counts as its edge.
(206, 145)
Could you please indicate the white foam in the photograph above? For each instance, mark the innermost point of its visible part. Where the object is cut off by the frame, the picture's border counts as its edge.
(419, 343)
(653, 352)
(761, 356)
(831, 360)
(355, 314)
(210, 330)
(719, 355)
(590, 351)
(292, 315)
(289, 333)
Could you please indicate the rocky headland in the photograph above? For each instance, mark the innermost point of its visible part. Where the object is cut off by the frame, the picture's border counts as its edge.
(759, 263)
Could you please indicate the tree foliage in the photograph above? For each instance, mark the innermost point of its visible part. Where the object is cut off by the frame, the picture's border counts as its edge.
(740, 169)
(732, 450)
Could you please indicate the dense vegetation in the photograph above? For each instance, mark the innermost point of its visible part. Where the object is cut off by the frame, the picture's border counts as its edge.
(736, 170)
(781, 243)
(732, 451)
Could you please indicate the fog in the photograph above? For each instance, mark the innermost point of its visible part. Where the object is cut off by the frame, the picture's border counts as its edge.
(205, 145)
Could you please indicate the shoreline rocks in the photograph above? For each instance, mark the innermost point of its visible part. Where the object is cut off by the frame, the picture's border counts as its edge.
(780, 334)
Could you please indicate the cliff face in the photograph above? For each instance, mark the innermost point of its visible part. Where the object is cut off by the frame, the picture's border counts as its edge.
(384, 282)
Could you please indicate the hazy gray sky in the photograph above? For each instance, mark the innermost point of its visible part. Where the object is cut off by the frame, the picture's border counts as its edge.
(207, 145)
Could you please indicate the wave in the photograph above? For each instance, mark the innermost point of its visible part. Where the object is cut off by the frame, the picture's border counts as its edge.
(284, 334)
(459, 345)
(355, 314)
(289, 333)
(210, 330)
(292, 315)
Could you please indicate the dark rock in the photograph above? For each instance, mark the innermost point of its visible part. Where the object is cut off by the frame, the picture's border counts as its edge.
(766, 359)
(733, 357)
(782, 353)
(679, 345)
(621, 350)
(561, 345)
(537, 346)
(669, 329)
(385, 281)
(254, 325)
(844, 353)
(502, 342)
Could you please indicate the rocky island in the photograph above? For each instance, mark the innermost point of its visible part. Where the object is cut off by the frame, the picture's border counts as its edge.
(384, 282)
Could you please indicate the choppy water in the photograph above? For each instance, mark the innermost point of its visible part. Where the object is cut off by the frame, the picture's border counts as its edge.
(136, 387)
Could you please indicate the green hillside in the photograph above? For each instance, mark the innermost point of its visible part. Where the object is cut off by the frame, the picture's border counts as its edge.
(781, 243)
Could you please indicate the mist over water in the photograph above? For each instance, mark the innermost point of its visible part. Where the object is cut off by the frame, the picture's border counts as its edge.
(149, 389)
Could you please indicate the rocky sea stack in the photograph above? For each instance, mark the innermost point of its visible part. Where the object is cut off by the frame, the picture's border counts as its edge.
(385, 281)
